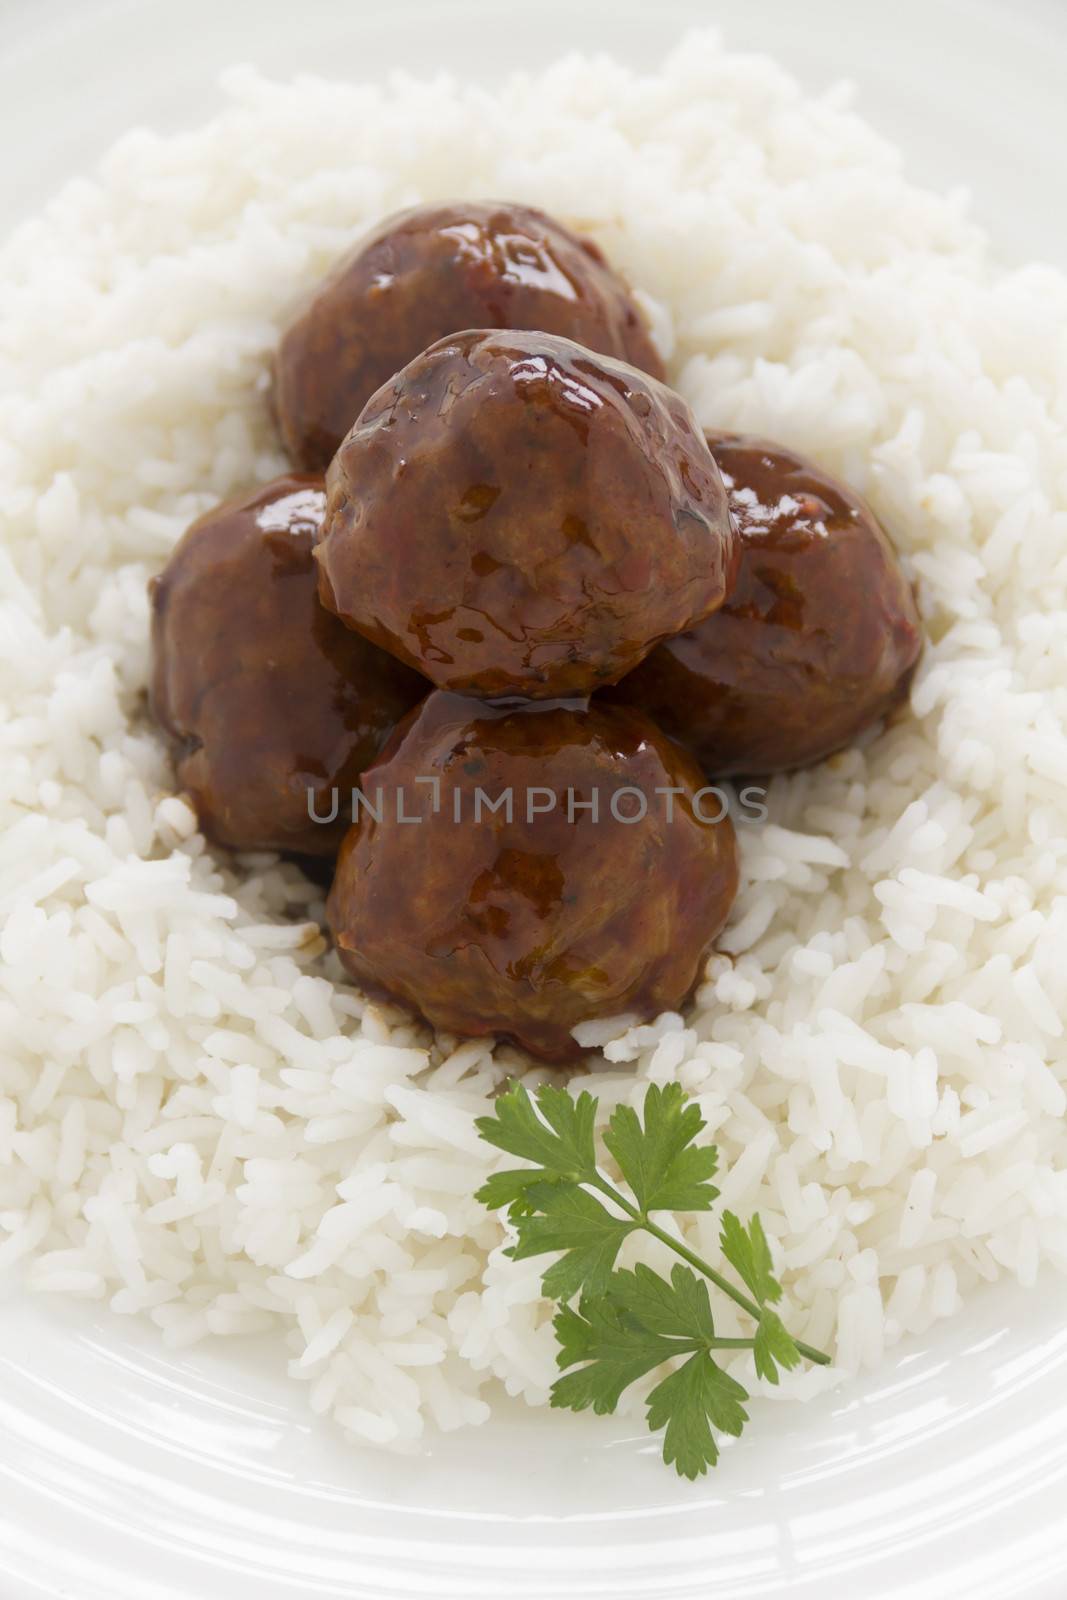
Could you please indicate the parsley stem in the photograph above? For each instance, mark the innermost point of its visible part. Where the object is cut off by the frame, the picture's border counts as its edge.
(819, 1357)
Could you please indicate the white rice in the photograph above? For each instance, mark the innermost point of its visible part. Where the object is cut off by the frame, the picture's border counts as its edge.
(199, 1120)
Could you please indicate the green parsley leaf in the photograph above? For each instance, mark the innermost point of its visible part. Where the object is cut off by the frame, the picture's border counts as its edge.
(689, 1403)
(640, 1322)
(747, 1251)
(679, 1308)
(628, 1322)
(617, 1353)
(556, 1136)
(774, 1347)
(563, 1216)
(659, 1161)
(509, 1189)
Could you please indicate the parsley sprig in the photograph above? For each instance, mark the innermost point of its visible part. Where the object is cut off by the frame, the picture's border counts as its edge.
(626, 1323)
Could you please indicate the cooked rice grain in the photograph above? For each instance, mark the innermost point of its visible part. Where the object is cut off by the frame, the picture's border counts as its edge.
(199, 1120)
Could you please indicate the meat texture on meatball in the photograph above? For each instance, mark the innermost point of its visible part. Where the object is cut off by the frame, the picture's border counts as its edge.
(818, 640)
(517, 870)
(428, 273)
(513, 515)
(266, 695)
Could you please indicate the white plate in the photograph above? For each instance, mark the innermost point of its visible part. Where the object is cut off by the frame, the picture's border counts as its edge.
(127, 1473)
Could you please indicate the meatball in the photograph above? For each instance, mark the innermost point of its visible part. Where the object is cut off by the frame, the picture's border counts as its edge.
(818, 640)
(271, 701)
(509, 905)
(428, 273)
(513, 515)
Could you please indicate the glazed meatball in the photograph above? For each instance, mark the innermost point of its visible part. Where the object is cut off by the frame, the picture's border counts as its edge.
(428, 273)
(513, 515)
(818, 640)
(527, 919)
(266, 695)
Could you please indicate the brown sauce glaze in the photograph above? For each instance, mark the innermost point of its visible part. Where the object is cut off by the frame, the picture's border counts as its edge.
(265, 694)
(527, 926)
(515, 516)
(818, 639)
(428, 273)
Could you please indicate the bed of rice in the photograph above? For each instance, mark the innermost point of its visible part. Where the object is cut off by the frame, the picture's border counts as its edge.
(199, 1120)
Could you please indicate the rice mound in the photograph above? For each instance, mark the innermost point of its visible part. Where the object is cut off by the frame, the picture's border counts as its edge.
(200, 1119)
